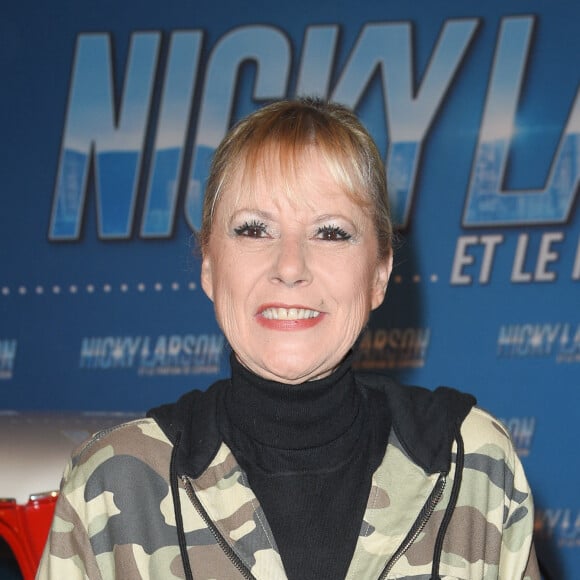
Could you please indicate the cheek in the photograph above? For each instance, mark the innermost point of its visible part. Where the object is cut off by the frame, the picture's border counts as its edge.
(354, 283)
(227, 312)
(232, 287)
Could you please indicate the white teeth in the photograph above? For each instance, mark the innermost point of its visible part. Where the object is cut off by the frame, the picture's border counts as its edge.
(289, 313)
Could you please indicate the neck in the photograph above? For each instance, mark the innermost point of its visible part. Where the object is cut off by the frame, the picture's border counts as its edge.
(292, 416)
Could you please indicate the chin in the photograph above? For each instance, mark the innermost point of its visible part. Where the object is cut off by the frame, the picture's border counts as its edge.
(284, 371)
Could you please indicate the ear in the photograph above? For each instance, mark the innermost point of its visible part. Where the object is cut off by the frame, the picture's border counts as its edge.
(382, 275)
(207, 276)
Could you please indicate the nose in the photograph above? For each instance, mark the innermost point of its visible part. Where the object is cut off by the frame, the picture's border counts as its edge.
(291, 263)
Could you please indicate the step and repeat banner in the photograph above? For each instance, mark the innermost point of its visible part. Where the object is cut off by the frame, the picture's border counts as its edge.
(111, 112)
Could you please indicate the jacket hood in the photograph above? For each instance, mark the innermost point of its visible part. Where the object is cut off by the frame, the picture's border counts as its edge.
(424, 421)
(192, 420)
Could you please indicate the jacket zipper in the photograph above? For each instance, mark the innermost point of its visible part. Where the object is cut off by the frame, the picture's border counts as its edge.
(233, 557)
(418, 526)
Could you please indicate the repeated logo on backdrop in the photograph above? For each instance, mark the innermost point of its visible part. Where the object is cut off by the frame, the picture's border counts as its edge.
(160, 355)
(392, 348)
(559, 341)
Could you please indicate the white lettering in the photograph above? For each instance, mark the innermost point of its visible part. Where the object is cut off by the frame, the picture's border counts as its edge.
(546, 256)
(490, 243)
(518, 275)
(462, 259)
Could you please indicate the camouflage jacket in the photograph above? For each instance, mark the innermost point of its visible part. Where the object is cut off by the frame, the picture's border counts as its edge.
(163, 497)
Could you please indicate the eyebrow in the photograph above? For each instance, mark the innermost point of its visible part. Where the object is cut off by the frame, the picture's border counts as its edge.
(268, 216)
(329, 217)
(257, 212)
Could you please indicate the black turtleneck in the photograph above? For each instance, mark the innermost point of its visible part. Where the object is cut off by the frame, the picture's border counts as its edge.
(309, 452)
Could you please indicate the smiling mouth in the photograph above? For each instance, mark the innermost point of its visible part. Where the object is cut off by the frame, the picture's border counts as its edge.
(289, 313)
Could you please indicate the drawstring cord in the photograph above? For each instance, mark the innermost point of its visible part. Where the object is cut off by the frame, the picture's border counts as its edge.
(450, 507)
(177, 510)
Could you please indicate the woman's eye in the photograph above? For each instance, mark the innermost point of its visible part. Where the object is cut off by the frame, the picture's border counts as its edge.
(252, 229)
(332, 234)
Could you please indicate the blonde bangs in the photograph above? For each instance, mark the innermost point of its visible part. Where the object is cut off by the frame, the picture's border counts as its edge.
(281, 154)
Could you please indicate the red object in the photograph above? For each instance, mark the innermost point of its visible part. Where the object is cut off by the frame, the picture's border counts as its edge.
(25, 529)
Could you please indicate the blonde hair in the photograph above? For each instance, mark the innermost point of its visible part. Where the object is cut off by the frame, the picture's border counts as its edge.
(281, 134)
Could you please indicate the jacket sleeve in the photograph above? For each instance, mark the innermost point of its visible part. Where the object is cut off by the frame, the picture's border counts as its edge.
(68, 552)
(518, 556)
(496, 482)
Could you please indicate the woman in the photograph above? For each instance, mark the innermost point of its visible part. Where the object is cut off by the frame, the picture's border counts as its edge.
(296, 467)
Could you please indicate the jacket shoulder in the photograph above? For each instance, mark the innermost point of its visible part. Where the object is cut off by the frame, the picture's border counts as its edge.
(140, 438)
(114, 507)
(482, 431)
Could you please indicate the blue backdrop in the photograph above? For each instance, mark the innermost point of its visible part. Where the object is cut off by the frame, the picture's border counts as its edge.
(111, 111)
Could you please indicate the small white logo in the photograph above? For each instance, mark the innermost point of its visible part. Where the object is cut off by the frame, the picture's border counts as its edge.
(560, 340)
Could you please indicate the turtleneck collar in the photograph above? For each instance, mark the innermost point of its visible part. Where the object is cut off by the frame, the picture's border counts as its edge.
(292, 417)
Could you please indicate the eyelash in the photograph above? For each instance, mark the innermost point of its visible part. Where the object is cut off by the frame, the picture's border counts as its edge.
(252, 229)
(333, 234)
(257, 229)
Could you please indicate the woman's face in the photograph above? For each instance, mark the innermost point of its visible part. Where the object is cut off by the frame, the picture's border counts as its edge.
(293, 280)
